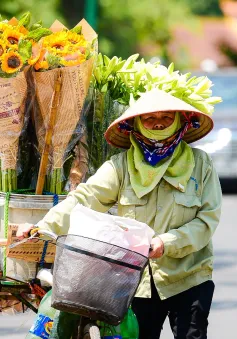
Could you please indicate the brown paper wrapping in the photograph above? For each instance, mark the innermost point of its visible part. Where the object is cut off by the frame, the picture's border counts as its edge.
(12, 105)
(80, 164)
(28, 251)
(75, 84)
(74, 88)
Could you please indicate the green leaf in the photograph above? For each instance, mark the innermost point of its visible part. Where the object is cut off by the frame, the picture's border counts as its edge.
(77, 29)
(191, 81)
(106, 60)
(131, 70)
(111, 66)
(100, 61)
(195, 97)
(119, 65)
(53, 60)
(130, 61)
(203, 106)
(104, 88)
(7, 75)
(94, 43)
(171, 68)
(203, 85)
(214, 100)
(25, 19)
(36, 25)
(25, 49)
(38, 33)
(206, 94)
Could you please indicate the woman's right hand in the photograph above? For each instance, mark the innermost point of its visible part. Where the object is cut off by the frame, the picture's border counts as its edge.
(23, 231)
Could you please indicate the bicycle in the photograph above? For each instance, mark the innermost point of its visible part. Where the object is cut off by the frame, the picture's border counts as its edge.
(122, 268)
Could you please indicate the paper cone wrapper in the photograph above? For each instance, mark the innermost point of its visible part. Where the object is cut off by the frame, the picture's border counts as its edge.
(12, 106)
(74, 88)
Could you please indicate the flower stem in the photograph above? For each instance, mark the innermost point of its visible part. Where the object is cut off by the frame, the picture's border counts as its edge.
(4, 181)
(53, 182)
(0, 176)
(58, 181)
(8, 180)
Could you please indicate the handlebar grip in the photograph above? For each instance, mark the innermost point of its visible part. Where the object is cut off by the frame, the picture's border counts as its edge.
(32, 232)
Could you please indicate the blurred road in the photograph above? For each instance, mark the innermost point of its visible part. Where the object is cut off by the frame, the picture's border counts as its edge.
(223, 317)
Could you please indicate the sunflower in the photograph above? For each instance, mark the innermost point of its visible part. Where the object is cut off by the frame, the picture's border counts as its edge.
(11, 62)
(4, 27)
(73, 60)
(61, 52)
(2, 47)
(12, 36)
(56, 40)
(76, 39)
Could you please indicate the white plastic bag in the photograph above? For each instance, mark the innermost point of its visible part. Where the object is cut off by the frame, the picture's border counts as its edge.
(124, 232)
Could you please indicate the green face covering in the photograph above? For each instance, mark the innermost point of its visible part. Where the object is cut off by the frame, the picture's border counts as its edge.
(175, 168)
(158, 134)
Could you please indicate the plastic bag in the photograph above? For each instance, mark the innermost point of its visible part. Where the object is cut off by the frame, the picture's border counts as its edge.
(124, 232)
(127, 329)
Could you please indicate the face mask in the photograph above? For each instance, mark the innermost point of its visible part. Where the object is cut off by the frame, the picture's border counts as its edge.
(158, 134)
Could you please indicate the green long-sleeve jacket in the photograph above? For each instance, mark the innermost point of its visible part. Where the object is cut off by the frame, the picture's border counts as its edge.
(185, 221)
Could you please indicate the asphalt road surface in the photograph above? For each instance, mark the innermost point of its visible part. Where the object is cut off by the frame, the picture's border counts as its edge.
(223, 316)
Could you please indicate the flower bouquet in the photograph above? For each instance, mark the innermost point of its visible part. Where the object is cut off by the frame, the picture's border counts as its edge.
(62, 77)
(18, 43)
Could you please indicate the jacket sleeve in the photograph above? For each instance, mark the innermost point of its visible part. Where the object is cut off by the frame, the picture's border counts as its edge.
(99, 193)
(196, 234)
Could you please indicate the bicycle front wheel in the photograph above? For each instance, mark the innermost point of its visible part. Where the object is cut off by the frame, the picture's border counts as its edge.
(91, 331)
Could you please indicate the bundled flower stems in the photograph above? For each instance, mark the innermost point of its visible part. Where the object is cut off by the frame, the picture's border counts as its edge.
(66, 57)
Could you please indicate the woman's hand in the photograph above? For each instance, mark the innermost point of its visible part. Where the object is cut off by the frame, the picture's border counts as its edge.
(23, 231)
(157, 246)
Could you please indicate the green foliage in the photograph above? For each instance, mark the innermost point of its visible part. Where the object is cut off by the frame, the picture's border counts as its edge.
(25, 49)
(48, 10)
(205, 7)
(38, 33)
(76, 29)
(135, 23)
(229, 51)
(25, 19)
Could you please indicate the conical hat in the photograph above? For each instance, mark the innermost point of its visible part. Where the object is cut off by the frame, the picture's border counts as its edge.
(158, 101)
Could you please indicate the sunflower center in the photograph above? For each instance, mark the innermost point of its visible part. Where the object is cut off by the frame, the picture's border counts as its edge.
(13, 62)
(1, 50)
(73, 41)
(58, 46)
(13, 41)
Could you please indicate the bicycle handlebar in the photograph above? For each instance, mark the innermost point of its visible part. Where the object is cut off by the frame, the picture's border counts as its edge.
(47, 233)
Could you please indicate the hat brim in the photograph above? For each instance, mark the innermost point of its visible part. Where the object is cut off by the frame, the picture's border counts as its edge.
(161, 101)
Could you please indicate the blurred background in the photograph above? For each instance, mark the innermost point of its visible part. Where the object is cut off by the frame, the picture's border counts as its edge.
(198, 36)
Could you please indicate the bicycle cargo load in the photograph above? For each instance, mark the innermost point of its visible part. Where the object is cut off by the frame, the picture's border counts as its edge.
(94, 278)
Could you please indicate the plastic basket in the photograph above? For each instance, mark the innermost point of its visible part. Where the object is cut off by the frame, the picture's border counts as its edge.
(94, 278)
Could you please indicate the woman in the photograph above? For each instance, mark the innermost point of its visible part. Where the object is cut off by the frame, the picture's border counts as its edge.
(173, 188)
